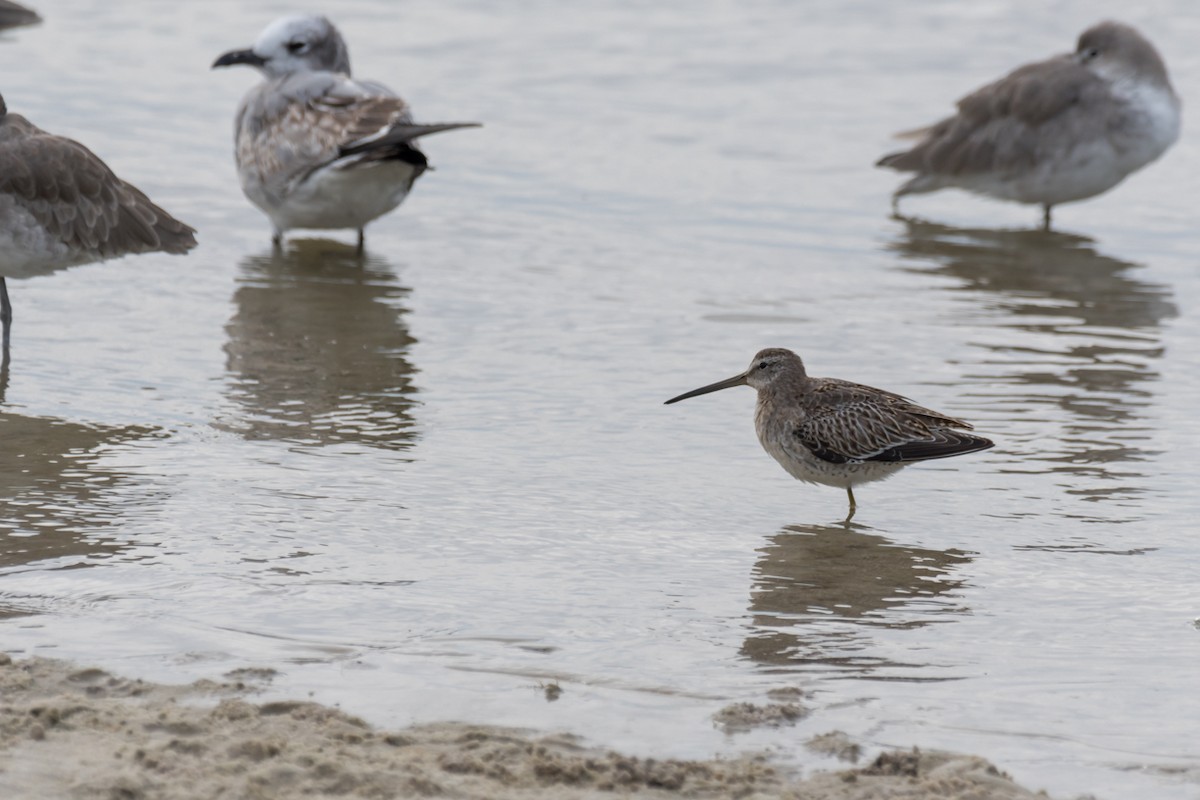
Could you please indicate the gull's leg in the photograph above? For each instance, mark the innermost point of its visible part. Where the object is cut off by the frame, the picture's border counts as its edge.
(362, 241)
(277, 239)
(1046, 217)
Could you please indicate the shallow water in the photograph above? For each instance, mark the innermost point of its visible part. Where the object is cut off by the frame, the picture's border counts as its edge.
(425, 484)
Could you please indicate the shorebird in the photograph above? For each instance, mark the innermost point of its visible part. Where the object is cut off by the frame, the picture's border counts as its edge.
(837, 433)
(61, 206)
(1054, 131)
(314, 147)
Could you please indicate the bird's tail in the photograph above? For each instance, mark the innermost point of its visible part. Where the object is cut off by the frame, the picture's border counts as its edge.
(404, 133)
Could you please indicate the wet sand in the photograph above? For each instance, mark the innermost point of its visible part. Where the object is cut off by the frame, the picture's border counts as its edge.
(71, 732)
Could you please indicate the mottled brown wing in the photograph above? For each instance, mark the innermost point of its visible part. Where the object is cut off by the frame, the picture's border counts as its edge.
(1001, 126)
(307, 136)
(78, 199)
(843, 422)
(365, 118)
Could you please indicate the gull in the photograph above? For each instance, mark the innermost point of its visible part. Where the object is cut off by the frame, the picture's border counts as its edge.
(1055, 131)
(60, 206)
(314, 147)
(837, 433)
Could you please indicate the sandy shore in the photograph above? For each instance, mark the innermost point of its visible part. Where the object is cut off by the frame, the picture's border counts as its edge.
(67, 732)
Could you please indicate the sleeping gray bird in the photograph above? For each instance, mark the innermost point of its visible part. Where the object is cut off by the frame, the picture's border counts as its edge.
(60, 206)
(314, 147)
(1055, 131)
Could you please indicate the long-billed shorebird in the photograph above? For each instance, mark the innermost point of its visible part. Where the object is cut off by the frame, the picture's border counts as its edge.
(1055, 131)
(837, 433)
(61, 206)
(314, 147)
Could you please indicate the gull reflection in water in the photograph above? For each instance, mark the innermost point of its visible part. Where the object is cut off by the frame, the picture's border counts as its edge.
(821, 593)
(1075, 347)
(318, 347)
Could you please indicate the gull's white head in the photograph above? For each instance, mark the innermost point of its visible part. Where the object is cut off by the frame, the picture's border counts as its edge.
(300, 43)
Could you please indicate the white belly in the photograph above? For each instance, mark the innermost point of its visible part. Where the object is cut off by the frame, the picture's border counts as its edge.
(1071, 171)
(334, 198)
(801, 464)
(1084, 171)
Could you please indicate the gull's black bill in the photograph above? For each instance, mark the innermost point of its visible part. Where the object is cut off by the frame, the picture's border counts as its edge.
(239, 57)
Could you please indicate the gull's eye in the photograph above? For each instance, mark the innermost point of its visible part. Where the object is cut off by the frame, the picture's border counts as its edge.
(762, 365)
(295, 47)
(1090, 53)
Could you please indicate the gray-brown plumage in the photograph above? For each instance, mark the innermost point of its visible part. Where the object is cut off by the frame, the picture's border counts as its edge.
(837, 433)
(60, 206)
(1055, 131)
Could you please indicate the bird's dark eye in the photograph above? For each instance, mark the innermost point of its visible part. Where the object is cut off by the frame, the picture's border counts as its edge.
(295, 47)
(1090, 53)
(762, 365)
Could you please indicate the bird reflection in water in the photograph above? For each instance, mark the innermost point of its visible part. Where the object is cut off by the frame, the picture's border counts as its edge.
(1076, 333)
(318, 349)
(819, 591)
(59, 501)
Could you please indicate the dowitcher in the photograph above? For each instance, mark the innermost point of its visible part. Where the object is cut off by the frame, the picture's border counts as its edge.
(60, 206)
(314, 147)
(837, 433)
(1055, 131)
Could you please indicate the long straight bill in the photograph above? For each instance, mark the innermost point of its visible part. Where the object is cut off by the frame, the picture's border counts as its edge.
(736, 380)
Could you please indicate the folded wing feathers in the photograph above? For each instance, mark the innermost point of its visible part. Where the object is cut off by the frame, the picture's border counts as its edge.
(78, 199)
(380, 123)
(288, 132)
(362, 120)
(880, 426)
(996, 127)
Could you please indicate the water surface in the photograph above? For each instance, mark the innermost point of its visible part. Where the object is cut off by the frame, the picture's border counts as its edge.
(424, 482)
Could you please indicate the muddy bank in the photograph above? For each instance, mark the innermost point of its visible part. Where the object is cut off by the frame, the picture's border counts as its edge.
(67, 732)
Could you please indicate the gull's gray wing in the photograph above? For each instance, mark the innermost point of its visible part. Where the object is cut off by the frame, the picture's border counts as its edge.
(288, 129)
